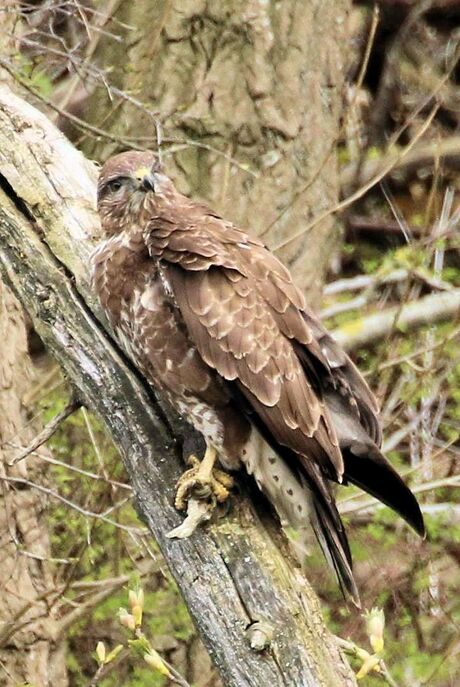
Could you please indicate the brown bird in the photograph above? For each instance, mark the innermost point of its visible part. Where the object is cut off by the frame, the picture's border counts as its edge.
(214, 321)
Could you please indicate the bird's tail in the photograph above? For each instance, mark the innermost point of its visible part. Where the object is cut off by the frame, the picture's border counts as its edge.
(330, 540)
(303, 501)
(367, 468)
(329, 530)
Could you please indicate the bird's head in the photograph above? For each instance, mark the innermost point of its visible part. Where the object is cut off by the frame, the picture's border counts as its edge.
(128, 184)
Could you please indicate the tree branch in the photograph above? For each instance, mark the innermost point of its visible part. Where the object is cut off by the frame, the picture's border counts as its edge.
(437, 307)
(233, 573)
(422, 155)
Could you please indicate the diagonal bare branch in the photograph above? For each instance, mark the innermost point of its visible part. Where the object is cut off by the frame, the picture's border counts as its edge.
(437, 307)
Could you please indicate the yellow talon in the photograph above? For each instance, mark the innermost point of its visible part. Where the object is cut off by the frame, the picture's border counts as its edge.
(203, 481)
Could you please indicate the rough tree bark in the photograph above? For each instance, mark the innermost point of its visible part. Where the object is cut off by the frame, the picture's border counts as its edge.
(258, 81)
(235, 572)
(29, 651)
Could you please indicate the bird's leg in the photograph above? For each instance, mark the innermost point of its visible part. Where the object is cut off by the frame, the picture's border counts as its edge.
(198, 490)
(203, 481)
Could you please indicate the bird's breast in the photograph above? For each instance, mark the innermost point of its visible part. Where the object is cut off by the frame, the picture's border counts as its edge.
(119, 270)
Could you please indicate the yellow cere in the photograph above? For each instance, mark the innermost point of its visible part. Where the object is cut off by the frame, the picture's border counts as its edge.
(142, 172)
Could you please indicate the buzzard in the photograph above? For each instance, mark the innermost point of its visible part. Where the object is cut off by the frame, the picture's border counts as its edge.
(214, 321)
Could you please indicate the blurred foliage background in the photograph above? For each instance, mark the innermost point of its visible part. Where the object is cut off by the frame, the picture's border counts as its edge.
(397, 244)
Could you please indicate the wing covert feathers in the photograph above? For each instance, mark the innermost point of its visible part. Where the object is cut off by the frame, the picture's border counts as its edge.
(236, 335)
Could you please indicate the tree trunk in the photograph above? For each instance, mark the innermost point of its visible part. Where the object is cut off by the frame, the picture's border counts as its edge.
(29, 649)
(256, 82)
(233, 573)
(28, 652)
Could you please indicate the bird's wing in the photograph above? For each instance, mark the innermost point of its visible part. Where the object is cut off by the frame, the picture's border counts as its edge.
(236, 331)
(351, 405)
(327, 365)
(236, 334)
(251, 324)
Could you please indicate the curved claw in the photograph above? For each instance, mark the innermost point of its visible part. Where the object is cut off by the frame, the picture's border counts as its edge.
(203, 481)
(216, 486)
(198, 491)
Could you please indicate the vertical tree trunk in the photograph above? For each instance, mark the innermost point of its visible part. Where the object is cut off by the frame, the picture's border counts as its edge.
(258, 81)
(27, 649)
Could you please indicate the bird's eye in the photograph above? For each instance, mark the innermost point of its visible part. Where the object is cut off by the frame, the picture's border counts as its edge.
(115, 185)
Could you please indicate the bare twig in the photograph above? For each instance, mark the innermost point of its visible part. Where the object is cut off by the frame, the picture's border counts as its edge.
(361, 192)
(345, 306)
(48, 430)
(85, 607)
(447, 150)
(449, 511)
(99, 22)
(370, 284)
(378, 226)
(68, 502)
(364, 281)
(383, 99)
(373, 504)
(420, 351)
(332, 148)
(73, 468)
(379, 174)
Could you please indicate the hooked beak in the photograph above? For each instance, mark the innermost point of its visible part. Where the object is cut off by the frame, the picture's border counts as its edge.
(148, 182)
(145, 177)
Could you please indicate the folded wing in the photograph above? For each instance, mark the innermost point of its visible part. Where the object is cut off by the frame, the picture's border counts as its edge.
(251, 324)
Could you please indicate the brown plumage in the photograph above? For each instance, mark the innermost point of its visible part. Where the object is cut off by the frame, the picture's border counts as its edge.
(214, 321)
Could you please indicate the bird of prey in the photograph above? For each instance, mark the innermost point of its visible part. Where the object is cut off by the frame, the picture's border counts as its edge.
(214, 321)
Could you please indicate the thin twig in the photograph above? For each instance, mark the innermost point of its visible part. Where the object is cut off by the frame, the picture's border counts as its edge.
(446, 150)
(359, 193)
(369, 46)
(333, 145)
(100, 21)
(449, 511)
(80, 471)
(373, 504)
(364, 281)
(75, 506)
(48, 430)
(84, 608)
(419, 352)
(379, 175)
